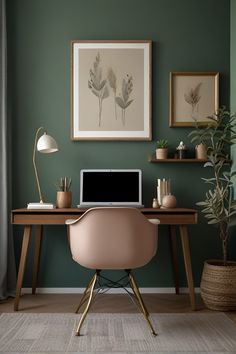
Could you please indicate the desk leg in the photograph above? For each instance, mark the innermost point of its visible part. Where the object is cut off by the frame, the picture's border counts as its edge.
(187, 263)
(37, 252)
(24, 251)
(173, 249)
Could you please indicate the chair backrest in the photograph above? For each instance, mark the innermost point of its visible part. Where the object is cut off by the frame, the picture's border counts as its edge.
(112, 238)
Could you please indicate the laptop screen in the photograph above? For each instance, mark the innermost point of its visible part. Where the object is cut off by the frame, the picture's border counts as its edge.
(111, 187)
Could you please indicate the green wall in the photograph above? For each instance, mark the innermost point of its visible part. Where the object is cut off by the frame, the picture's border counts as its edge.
(233, 56)
(233, 95)
(187, 36)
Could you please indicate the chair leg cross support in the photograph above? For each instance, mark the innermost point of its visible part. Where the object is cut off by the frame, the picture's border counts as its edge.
(89, 291)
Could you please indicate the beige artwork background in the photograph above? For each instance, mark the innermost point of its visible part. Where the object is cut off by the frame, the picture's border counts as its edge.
(122, 62)
(206, 106)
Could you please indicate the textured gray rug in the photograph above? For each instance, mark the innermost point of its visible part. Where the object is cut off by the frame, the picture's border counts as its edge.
(117, 333)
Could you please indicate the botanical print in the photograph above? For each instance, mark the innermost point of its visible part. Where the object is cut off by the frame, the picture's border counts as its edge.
(111, 84)
(193, 97)
(111, 90)
(99, 87)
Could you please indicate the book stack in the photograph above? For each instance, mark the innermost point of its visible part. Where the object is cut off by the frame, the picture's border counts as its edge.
(40, 206)
(163, 188)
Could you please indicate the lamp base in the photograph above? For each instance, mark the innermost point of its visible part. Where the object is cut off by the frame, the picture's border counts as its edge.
(40, 206)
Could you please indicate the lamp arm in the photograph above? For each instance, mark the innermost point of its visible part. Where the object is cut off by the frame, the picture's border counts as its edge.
(34, 164)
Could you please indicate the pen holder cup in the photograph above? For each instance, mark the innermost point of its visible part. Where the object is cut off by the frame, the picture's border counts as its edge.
(63, 199)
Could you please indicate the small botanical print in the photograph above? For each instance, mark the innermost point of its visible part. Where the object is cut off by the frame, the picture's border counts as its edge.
(194, 97)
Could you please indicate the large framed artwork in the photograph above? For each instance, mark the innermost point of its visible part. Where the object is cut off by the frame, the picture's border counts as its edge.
(194, 96)
(111, 90)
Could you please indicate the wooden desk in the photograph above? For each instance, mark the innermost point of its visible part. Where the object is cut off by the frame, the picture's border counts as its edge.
(173, 217)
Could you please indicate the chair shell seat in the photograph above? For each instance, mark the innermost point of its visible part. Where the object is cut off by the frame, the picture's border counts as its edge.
(112, 238)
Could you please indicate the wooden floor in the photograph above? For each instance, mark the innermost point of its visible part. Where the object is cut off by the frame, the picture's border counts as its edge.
(108, 303)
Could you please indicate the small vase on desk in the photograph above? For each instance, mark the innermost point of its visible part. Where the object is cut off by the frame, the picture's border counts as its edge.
(155, 203)
(64, 199)
(169, 201)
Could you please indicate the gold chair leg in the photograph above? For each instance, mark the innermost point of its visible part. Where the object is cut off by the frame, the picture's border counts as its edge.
(137, 295)
(140, 302)
(84, 314)
(82, 301)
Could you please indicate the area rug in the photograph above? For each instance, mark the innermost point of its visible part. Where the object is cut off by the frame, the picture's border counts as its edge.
(117, 333)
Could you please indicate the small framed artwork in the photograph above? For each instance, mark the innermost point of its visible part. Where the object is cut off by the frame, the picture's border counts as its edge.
(111, 90)
(194, 96)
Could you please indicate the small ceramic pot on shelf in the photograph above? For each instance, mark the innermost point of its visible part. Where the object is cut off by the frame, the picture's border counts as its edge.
(162, 149)
(201, 152)
(162, 154)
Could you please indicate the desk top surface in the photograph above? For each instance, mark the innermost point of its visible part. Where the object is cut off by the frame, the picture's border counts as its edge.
(82, 210)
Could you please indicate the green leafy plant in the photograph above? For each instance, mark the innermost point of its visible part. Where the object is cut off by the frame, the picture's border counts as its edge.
(162, 144)
(98, 85)
(218, 206)
(123, 99)
(199, 135)
(64, 184)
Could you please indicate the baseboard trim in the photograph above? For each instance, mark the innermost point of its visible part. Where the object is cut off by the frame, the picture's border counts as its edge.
(111, 291)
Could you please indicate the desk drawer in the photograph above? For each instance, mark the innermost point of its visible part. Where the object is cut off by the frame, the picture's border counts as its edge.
(175, 219)
(41, 219)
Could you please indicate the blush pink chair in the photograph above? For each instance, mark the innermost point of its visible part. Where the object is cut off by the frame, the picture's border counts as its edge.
(112, 238)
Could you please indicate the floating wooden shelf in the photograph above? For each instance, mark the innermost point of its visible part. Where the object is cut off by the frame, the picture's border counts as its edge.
(153, 159)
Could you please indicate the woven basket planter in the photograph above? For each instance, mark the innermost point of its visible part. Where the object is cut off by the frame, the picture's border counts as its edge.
(218, 285)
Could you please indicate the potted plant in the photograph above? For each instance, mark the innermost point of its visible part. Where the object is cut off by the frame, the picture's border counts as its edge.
(63, 194)
(218, 283)
(162, 149)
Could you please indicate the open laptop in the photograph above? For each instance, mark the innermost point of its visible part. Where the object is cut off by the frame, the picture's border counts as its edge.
(111, 188)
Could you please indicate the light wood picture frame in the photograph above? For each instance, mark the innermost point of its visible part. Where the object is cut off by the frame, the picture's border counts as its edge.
(194, 96)
(111, 90)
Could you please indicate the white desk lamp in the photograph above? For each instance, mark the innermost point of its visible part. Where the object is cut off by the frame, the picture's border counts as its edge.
(45, 144)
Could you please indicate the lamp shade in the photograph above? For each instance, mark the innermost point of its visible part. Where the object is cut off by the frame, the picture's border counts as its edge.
(47, 144)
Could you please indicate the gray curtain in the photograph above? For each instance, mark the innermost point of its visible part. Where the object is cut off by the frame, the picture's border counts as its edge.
(7, 259)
